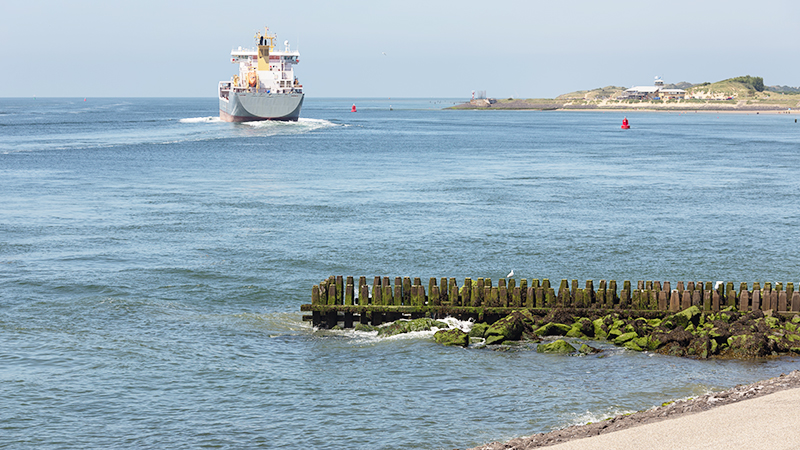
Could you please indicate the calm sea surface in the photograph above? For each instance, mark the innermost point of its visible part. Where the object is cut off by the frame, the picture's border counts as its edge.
(153, 261)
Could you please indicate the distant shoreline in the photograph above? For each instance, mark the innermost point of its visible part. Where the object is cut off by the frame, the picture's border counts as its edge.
(543, 105)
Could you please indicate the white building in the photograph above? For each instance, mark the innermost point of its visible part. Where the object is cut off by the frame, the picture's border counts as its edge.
(655, 92)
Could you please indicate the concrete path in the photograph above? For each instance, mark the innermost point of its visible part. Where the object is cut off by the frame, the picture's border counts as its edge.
(768, 422)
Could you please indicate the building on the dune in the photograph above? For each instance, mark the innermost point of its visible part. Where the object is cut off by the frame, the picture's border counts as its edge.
(655, 92)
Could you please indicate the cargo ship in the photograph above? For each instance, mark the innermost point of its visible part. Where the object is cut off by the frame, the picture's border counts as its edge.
(265, 87)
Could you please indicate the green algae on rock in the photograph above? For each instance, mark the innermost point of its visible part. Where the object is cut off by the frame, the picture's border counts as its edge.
(510, 327)
(559, 346)
(408, 326)
(452, 337)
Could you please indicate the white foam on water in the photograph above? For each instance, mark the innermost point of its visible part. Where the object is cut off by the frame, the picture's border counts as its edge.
(209, 119)
(372, 336)
(301, 126)
(593, 417)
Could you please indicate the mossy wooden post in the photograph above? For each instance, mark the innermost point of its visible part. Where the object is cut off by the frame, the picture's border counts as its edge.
(315, 295)
(730, 295)
(495, 299)
(417, 295)
(487, 282)
(406, 291)
(323, 292)
(487, 296)
(624, 299)
(611, 293)
(530, 297)
(625, 295)
(434, 297)
(550, 298)
(539, 296)
(444, 292)
(398, 291)
(636, 299)
(339, 291)
(563, 297)
(640, 285)
(362, 281)
(744, 300)
(316, 317)
(681, 289)
(600, 296)
(715, 301)
(756, 301)
(418, 281)
(573, 291)
(546, 284)
(523, 289)
(332, 294)
(387, 298)
(657, 286)
(674, 300)
(795, 301)
(512, 283)
(502, 296)
(477, 300)
(580, 298)
(589, 294)
(501, 282)
(782, 301)
(464, 300)
(789, 290)
(686, 299)
(707, 300)
(452, 294)
(349, 299)
(516, 297)
(377, 292)
(653, 295)
(349, 294)
(773, 300)
(431, 284)
(663, 301)
(363, 296)
(697, 300)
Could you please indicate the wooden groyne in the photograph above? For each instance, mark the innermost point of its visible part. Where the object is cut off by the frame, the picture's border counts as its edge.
(339, 301)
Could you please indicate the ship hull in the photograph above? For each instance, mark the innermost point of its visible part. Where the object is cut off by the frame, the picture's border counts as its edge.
(250, 106)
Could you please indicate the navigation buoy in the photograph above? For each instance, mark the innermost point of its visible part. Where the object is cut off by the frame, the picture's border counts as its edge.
(353, 109)
(625, 125)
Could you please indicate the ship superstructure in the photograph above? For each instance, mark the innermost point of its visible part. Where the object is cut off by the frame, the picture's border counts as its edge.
(265, 87)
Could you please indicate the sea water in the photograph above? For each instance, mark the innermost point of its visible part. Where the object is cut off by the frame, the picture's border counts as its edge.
(153, 261)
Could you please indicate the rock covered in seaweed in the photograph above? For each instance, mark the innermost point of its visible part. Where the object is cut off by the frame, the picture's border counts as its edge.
(452, 337)
(510, 328)
(559, 346)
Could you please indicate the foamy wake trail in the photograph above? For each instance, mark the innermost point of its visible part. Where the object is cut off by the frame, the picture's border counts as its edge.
(200, 119)
(302, 125)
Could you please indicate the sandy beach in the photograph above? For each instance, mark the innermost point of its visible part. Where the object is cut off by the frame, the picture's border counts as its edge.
(758, 415)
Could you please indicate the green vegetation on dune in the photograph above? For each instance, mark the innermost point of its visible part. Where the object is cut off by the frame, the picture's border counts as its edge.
(745, 93)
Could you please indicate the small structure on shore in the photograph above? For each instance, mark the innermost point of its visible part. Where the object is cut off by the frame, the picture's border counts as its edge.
(655, 92)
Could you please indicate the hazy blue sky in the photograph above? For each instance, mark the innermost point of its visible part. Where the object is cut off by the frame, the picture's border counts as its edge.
(433, 49)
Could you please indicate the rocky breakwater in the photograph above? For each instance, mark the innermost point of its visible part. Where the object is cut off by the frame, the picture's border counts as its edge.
(689, 333)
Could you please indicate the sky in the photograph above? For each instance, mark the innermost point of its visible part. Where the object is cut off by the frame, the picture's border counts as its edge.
(433, 49)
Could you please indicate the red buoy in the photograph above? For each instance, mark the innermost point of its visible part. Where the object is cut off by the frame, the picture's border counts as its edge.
(353, 109)
(625, 125)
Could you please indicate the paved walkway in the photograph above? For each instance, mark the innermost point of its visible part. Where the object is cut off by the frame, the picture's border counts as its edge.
(769, 422)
